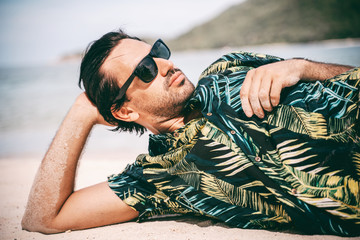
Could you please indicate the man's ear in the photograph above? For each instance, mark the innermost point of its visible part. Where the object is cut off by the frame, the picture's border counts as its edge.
(126, 114)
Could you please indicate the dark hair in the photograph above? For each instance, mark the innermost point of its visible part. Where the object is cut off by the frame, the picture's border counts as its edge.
(102, 87)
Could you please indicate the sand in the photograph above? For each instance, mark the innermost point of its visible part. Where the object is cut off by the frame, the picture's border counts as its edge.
(16, 180)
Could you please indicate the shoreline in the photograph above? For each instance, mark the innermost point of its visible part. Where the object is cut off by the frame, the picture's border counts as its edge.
(18, 174)
(337, 43)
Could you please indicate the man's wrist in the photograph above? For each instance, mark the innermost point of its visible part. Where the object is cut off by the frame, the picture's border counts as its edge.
(85, 110)
(302, 66)
(84, 114)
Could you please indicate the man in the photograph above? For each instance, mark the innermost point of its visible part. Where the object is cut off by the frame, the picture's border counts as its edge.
(294, 164)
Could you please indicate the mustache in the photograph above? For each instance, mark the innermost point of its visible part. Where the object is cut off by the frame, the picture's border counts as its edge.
(170, 73)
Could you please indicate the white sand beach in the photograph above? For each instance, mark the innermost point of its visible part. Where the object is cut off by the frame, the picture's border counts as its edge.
(17, 176)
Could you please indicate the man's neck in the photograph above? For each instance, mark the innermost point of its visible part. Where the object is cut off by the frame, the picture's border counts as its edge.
(170, 125)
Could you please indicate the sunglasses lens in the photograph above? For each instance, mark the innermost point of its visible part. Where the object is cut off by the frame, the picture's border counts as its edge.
(160, 50)
(147, 70)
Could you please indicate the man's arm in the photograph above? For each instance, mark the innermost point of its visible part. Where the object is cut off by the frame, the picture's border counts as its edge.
(262, 86)
(53, 206)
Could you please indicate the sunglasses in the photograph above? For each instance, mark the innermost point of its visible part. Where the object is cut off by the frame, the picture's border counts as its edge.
(147, 69)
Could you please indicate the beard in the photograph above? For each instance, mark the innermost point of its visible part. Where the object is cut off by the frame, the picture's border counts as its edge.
(172, 101)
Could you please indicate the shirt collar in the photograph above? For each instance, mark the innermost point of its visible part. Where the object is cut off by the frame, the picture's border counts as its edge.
(162, 143)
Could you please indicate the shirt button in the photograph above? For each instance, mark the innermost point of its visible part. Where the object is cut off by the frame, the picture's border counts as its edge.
(294, 191)
(176, 134)
(209, 114)
(232, 132)
(257, 158)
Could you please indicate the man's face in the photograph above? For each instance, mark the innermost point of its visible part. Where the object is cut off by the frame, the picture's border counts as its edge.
(165, 96)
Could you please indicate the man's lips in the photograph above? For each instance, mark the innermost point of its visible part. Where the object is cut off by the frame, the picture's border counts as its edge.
(176, 78)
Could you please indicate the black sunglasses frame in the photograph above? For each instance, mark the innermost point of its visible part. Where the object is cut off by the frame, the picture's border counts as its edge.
(153, 53)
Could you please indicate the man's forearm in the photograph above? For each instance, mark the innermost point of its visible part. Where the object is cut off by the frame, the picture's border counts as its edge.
(54, 181)
(317, 71)
(262, 86)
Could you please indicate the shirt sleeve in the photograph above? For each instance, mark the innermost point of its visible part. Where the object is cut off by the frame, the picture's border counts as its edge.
(132, 188)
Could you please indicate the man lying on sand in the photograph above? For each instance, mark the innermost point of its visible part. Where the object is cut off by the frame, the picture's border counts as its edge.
(261, 142)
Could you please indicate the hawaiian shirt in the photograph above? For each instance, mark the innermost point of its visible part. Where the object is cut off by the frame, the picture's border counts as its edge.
(298, 167)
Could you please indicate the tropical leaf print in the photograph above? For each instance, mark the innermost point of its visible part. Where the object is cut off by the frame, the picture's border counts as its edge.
(297, 167)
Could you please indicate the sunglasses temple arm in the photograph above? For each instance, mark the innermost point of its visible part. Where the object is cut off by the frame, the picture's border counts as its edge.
(124, 88)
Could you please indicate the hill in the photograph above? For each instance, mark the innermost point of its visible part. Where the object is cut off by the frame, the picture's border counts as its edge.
(271, 21)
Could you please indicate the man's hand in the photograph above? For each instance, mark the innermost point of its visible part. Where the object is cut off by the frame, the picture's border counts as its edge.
(262, 86)
(83, 102)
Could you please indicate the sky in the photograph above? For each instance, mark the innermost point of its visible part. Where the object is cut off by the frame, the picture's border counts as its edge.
(39, 31)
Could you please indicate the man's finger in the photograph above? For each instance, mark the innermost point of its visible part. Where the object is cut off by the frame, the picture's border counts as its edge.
(244, 94)
(246, 107)
(264, 93)
(275, 93)
(254, 94)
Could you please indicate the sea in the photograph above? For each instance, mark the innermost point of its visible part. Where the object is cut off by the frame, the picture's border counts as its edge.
(35, 99)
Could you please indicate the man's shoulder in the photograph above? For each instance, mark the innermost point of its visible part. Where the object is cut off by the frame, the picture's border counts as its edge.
(238, 61)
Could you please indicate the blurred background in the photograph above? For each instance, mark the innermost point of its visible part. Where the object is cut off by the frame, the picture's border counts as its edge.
(41, 43)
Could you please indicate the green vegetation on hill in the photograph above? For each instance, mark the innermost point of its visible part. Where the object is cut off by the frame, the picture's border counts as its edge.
(269, 21)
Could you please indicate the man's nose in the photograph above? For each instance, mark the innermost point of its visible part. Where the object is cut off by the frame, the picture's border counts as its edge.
(164, 66)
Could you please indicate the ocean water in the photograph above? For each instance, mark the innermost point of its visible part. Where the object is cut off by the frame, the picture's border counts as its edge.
(35, 99)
